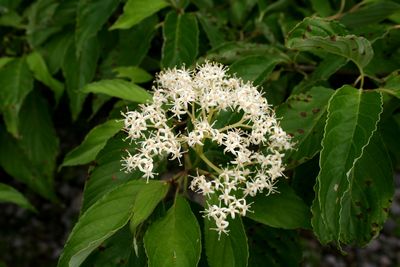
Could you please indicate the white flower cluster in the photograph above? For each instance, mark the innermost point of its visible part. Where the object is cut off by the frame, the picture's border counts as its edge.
(254, 143)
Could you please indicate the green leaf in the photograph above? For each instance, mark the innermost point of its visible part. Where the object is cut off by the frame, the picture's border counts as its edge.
(65, 14)
(15, 82)
(285, 209)
(91, 16)
(137, 10)
(9, 4)
(266, 7)
(239, 10)
(55, 50)
(316, 35)
(135, 74)
(5, 60)
(181, 40)
(78, 71)
(214, 35)
(315, 26)
(392, 85)
(39, 69)
(303, 117)
(41, 21)
(174, 240)
(146, 202)
(39, 140)
(119, 88)
(365, 205)
(374, 33)
(11, 19)
(94, 141)
(351, 121)
(322, 7)
(135, 43)
(9, 194)
(255, 68)
(370, 13)
(16, 163)
(356, 49)
(107, 173)
(99, 222)
(116, 251)
(386, 55)
(226, 249)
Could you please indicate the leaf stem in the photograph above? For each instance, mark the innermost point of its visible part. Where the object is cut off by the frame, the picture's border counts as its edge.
(360, 79)
(339, 14)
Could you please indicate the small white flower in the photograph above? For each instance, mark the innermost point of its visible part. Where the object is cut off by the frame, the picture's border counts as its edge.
(222, 226)
(135, 124)
(183, 116)
(226, 197)
(195, 138)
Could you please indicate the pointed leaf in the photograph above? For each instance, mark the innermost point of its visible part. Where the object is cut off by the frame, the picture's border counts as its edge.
(91, 16)
(9, 194)
(351, 121)
(174, 240)
(39, 69)
(94, 141)
(146, 201)
(181, 40)
(317, 35)
(303, 117)
(15, 82)
(99, 222)
(119, 88)
(228, 249)
(281, 210)
(137, 10)
(365, 205)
